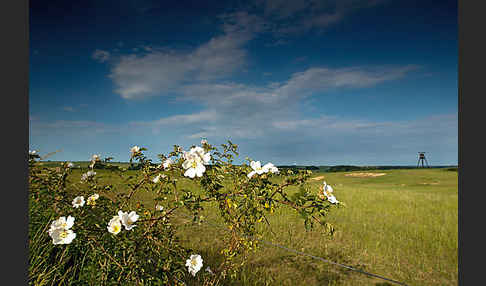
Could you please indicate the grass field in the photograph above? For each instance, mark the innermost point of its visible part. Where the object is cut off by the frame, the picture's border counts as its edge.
(402, 225)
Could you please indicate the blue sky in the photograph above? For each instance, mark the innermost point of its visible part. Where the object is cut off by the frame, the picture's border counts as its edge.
(307, 82)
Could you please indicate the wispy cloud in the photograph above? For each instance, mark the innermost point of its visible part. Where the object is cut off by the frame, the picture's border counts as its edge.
(293, 17)
(181, 119)
(161, 71)
(322, 79)
(244, 111)
(100, 55)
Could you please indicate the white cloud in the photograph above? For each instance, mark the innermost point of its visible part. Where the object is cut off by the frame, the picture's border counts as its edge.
(321, 79)
(182, 119)
(161, 71)
(242, 111)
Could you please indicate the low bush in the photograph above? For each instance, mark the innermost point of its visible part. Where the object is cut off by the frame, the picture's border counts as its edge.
(88, 233)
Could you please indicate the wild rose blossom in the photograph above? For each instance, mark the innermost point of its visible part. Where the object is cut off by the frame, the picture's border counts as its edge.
(128, 219)
(60, 231)
(92, 199)
(70, 165)
(194, 162)
(327, 191)
(135, 150)
(194, 263)
(62, 222)
(114, 226)
(332, 199)
(95, 158)
(167, 163)
(258, 169)
(158, 177)
(62, 236)
(33, 154)
(78, 201)
(159, 208)
(88, 175)
(271, 168)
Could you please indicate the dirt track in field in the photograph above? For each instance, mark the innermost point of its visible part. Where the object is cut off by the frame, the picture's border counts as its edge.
(365, 175)
(318, 178)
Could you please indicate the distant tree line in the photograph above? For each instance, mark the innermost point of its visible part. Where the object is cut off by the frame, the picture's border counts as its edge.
(337, 168)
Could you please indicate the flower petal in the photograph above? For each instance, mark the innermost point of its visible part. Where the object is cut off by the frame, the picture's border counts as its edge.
(200, 169)
(191, 172)
(69, 222)
(255, 165)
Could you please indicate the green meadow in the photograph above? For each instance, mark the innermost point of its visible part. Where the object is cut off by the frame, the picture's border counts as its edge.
(402, 224)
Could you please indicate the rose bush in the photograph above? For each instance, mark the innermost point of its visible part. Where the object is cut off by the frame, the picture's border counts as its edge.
(111, 238)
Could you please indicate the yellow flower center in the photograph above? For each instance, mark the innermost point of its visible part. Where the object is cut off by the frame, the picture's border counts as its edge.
(193, 262)
(194, 164)
(63, 234)
(116, 228)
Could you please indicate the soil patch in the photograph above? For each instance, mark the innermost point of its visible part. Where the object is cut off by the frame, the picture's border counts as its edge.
(365, 175)
(318, 178)
(434, 183)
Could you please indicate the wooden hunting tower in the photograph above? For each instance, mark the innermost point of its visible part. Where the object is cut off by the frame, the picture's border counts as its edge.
(422, 159)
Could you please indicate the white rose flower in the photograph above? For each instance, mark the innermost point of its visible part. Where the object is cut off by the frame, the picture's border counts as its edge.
(127, 219)
(78, 202)
(62, 236)
(62, 222)
(167, 163)
(327, 190)
(60, 230)
(269, 167)
(332, 199)
(205, 157)
(70, 165)
(95, 158)
(88, 175)
(114, 226)
(157, 179)
(193, 165)
(92, 199)
(159, 208)
(258, 169)
(194, 263)
(134, 150)
(194, 162)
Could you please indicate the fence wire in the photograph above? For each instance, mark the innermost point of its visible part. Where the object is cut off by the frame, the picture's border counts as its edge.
(307, 254)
